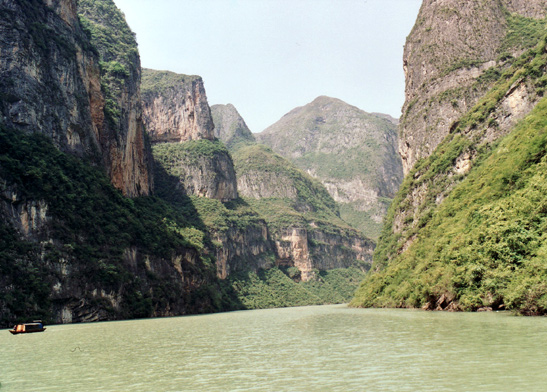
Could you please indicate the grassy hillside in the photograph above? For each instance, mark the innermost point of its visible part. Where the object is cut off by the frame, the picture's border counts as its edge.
(351, 152)
(484, 244)
(293, 188)
(275, 288)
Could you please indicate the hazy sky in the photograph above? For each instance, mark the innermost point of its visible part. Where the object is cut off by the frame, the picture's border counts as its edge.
(267, 57)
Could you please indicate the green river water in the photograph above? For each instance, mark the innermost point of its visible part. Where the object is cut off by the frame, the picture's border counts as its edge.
(318, 348)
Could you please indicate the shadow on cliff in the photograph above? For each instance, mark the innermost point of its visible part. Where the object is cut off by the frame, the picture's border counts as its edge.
(168, 188)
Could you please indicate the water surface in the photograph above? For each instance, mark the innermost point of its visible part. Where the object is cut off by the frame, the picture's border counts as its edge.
(320, 348)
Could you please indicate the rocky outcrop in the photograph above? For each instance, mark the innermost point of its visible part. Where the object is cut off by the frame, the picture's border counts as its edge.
(175, 107)
(312, 248)
(449, 60)
(73, 249)
(124, 150)
(303, 219)
(448, 232)
(51, 83)
(202, 168)
(212, 178)
(230, 127)
(246, 248)
(353, 153)
(176, 111)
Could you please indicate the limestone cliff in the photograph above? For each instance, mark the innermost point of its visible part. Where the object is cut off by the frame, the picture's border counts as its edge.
(179, 122)
(49, 85)
(72, 247)
(230, 127)
(450, 232)
(175, 107)
(125, 153)
(203, 168)
(303, 219)
(52, 82)
(452, 57)
(353, 153)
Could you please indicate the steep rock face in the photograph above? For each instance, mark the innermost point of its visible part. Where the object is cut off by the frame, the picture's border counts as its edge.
(125, 153)
(448, 232)
(230, 126)
(176, 111)
(73, 248)
(448, 61)
(243, 249)
(303, 219)
(310, 248)
(52, 84)
(49, 85)
(351, 152)
(203, 168)
(175, 107)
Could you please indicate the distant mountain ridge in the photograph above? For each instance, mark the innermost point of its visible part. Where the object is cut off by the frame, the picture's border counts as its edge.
(302, 217)
(230, 127)
(353, 153)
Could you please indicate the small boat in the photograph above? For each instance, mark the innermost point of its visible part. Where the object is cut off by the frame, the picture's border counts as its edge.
(35, 326)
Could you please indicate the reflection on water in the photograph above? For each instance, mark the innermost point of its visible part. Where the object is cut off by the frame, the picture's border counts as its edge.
(322, 348)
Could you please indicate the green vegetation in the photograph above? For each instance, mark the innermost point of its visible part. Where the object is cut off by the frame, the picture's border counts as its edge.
(274, 288)
(365, 221)
(157, 82)
(522, 32)
(113, 40)
(483, 246)
(257, 161)
(107, 28)
(92, 225)
(221, 217)
(170, 155)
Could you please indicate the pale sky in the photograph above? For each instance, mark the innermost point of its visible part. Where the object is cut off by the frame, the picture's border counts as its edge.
(267, 57)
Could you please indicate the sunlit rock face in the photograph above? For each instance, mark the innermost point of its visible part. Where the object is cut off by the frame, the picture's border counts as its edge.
(175, 107)
(447, 57)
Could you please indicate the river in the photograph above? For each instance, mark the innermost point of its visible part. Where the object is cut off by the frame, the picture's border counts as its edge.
(317, 348)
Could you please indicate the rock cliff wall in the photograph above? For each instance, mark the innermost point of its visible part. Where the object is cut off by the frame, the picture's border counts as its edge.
(52, 83)
(49, 85)
(176, 112)
(175, 107)
(311, 248)
(303, 219)
(452, 57)
(124, 150)
(203, 168)
(73, 249)
(447, 234)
